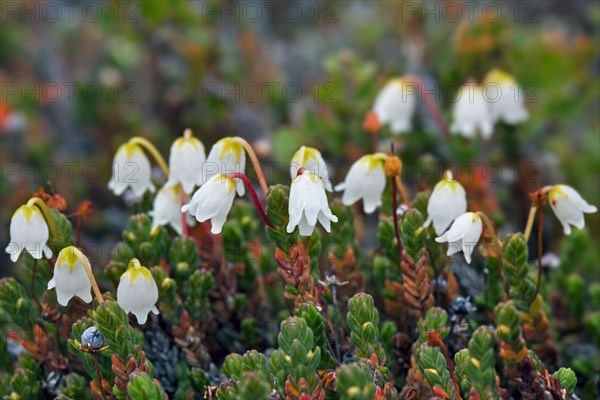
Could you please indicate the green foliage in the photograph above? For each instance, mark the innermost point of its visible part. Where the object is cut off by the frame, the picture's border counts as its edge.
(142, 386)
(433, 366)
(196, 294)
(508, 331)
(277, 211)
(75, 386)
(316, 323)
(343, 236)
(147, 244)
(354, 382)
(412, 233)
(253, 386)
(64, 231)
(477, 364)
(25, 381)
(436, 319)
(387, 238)
(363, 320)
(16, 308)
(239, 228)
(567, 379)
(516, 270)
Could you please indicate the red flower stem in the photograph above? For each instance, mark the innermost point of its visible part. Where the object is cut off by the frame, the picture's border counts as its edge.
(539, 247)
(259, 207)
(185, 229)
(429, 103)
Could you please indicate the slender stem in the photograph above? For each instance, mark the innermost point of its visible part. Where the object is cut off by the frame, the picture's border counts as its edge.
(39, 203)
(490, 227)
(336, 343)
(98, 376)
(255, 164)
(92, 278)
(530, 220)
(145, 143)
(259, 207)
(33, 295)
(539, 246)
(429, 103)
(395, 213)
(78, 230)
(434, 339)
(185, 229)
(402, 191)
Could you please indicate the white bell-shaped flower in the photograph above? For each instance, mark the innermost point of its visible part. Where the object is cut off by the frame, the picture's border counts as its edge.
(448, 200)
(213, 201)
(28, 231)
(71, 277)
(569, 206)
(167, 207)
(308, 204)
(186, 162)
(131, 169)
(507, 104)
(310, 159)
(472, 113)
(366, 181)
(137, 292)
(395, 105)
(225, 157)
(463, 235)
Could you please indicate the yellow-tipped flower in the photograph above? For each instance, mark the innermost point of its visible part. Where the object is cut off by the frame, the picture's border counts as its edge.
(366, 181)
(137, 292)
(569, 206)
(472, 113)
(395, 105)
(167, 207)
(463, 235)
(225, 157)
(213, 201)
(70, 276)
(447, 201)
(508, 105)
(28, 231)
(186, 162)
(131, 169)
(310, 159)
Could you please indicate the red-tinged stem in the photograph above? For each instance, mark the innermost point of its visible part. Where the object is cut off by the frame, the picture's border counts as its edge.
(429, 103)
(259, 207)
(98, 376)
(185, 229)
(539, 246)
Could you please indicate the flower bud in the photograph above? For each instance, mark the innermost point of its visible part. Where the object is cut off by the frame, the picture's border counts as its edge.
(392, 166)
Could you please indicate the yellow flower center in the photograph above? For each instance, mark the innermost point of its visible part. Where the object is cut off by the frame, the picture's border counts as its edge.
(29, 211)
(499, 76)
(183, 141)
(373, 161)
(69, 257)
(556, 191)
(130, 149)
(230, 145)
(136, 271)
(448, 182)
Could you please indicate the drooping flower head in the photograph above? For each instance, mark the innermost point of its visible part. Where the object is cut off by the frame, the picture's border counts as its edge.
(310, 159)
(137, 292)
(569, 206)
(131, 169)
(308, 204)
(213, 201)
(508, 104)
(70, 276)
(225, 157)
(448, 200)
(463, 235)
(28, 231)
(395, 105)
(366, 181)
(186, 162)
(472, 113)
(167, 207)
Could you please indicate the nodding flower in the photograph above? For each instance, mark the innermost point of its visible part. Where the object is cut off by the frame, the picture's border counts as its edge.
(365, 180)
(137, 292)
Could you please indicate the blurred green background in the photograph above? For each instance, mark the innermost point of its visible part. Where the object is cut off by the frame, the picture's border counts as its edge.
(80, 78)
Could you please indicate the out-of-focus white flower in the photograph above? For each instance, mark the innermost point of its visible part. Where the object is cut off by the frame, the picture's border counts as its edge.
(308, 204)
(569, 206)
(186, 162)
(463, 235)
(447, 201)
(213, 201)
(28, 231)
(167, 207)
(366, 181)
(310, 159)
(508, 105)
(131, 169)
(70, 276)
(395, 105)
(472, 113)
(225, 157)
(137, 292)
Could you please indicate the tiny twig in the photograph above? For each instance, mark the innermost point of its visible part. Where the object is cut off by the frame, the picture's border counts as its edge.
(434, 339)
(530, 220)
(98, 376)
(33, 295)
(539, 246)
